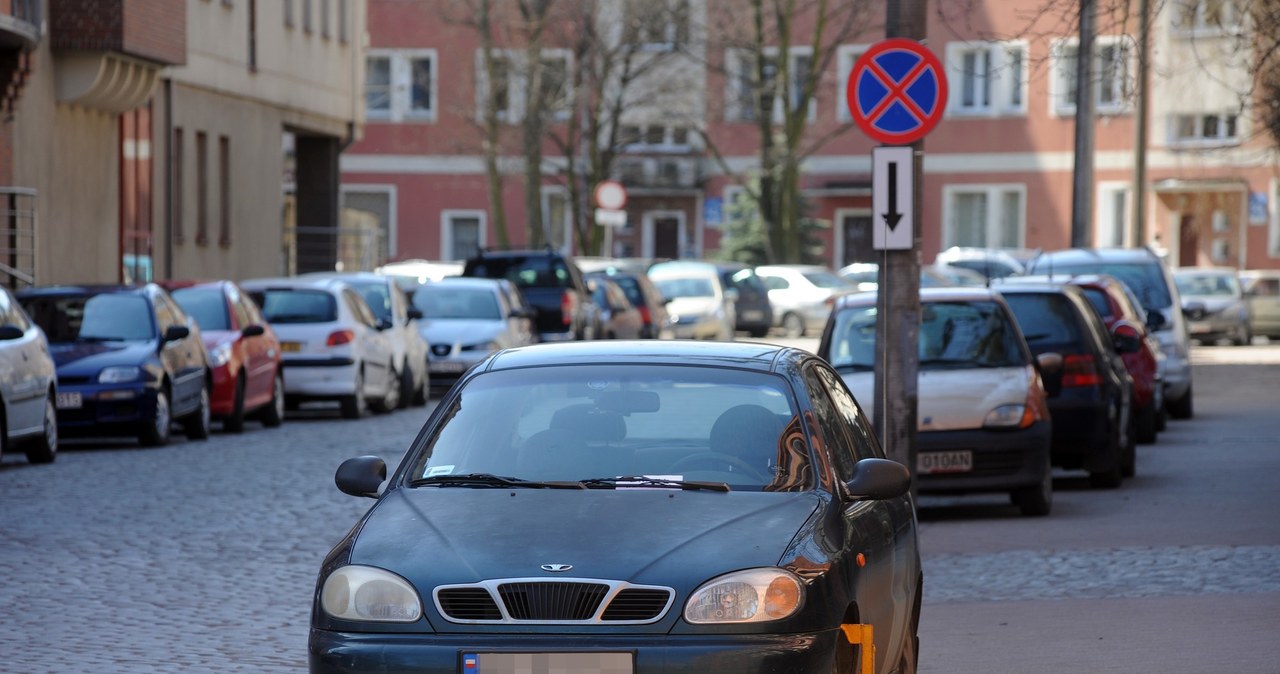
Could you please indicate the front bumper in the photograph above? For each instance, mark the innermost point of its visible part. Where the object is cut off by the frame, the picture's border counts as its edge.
(106, 409)
(345, 652)
(1002, 460)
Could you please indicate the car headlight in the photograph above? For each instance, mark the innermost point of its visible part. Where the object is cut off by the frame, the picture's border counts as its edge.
(751, 596)
(1005, 416)
(369, 594)
(119, 374)
(220, 354)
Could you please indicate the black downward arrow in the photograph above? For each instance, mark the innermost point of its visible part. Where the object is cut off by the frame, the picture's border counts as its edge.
(893, 216)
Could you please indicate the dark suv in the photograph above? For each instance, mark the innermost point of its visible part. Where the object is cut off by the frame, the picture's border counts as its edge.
(550, 281)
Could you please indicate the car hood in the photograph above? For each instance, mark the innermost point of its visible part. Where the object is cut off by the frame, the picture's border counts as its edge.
(952, 400)
(691, 306)
(88, 358)
(433, 536)
(459, 330)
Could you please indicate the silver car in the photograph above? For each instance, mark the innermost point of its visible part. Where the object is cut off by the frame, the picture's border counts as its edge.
(1214, 305)
(802, 295)
(1262, 293)
(27, 385)
(466, 319)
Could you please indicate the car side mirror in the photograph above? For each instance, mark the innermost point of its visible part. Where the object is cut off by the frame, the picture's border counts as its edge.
(361, 476)
(415, 313)
(10, 332)
(879, 479)
(1126, 338)
(383, 324)
(1155, 320)
(254, 330)
(176, 332)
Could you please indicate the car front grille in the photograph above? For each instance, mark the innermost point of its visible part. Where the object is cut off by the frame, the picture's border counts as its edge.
(540, 601)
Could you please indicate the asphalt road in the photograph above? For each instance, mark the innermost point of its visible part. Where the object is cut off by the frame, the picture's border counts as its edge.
(201, 556)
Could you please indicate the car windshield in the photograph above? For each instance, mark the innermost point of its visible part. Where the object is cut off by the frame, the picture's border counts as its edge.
(206, 305)
(443, 301)
(1207, 285)
(377, 296)
(1045, 318)
(823, 279)
(673, 288)
(953, 335)
(296, 306)
(526, 272)
(1145, 279)
(574, 423)
(104, 317)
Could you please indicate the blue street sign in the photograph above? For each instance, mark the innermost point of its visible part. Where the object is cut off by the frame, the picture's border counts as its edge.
(897, 91)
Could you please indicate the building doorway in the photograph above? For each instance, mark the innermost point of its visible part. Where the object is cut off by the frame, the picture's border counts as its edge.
(1188, 241)
(664, 235)
(855, 238)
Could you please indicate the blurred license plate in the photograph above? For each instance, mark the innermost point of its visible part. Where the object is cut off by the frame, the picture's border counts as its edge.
(752, 315)
(944, 462)
(69, 401)
(1199, 329)
(446, 366)
(291, 347)
(545, 663)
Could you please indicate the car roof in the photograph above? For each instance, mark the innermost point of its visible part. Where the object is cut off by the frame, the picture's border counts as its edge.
(936, 294)
(357, 276)
(88, 289)
(294, 283)
(1033, 286)
(469, 282)
(738, 355)
(1205, 271)
(1087, 255)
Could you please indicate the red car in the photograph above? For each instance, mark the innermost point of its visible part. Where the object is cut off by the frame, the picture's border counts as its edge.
(1126, 320)
(244, 353)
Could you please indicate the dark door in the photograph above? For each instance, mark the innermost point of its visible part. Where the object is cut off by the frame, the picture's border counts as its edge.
(666, 238)
(1188, 242)
(856, 230)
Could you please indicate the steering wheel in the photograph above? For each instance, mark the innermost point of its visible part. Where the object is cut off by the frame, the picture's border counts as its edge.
(720, 458)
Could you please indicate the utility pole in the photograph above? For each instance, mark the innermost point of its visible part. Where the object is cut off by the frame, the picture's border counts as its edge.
(1140, 142)
(1082, 177)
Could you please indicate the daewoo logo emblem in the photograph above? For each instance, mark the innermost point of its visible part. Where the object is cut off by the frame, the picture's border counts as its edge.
(555, 568)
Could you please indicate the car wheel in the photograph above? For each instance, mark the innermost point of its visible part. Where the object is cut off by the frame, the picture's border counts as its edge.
(156, 432)
(1109, 477)
(1036, 500)
(759, 332)
(391, 397)
(1181, 407)
(1145, 423)
(353, 405)
(1244, 338)
(44, 449)
(273, 415)
(793, 325)
(235, 422)
(423, 393)
(406, 385)
(196, 425)
(907, 660)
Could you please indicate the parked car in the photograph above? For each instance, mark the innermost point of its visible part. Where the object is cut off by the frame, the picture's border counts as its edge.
(397, 318)
(992, 263)
(413, 273)
(700, 304)
(1214, 305)
(28, 386)
(865, 276)
(552, 284)
(753, 312)
(611, 265)
(129, 361)
(1148, 277)
(645, 297)
(333, 348)
(618, 318)
(242, 349)
(465, 320)
(983, 415)
(1090, 391)
(1262, 293)
(665, 506)
(802, 295)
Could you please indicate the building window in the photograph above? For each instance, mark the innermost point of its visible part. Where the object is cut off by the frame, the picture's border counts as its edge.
(555, 218)
(202, 188)
(988, 78)
(224, 191)
(1204, 130)
(1112, 78)
(380, 202)
(746, 86)
(985, 216)
(1207, 17)
(179, 187)
(401, 85)
(463, 234)
(1113, 216)
(846, 56)
(324, 18)
(654, 138)
(656, 25)
(307, 25)
(510, 83)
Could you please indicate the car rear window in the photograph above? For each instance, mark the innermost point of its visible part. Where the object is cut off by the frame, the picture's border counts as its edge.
(953, 335)
(285, 305)
(207, 306)
(1100, 300)
(377, 296)
(673, 288)
(103, 317)
(440, 301)
(631, 288)
(526, 272)
(1045, 317)
(1146, 279)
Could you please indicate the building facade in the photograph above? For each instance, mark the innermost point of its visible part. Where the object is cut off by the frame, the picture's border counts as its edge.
(997, 169)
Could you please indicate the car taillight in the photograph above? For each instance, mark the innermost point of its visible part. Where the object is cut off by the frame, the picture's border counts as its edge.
(567, 306)
(645, 315)
(340, 337)
(1080, 370)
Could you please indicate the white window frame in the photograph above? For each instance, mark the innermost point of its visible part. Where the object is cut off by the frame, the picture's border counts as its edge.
(1232, 24)
(392, 216)
(1200, 140)
(1103, 235)
(993, 192)
(1058, 105)
(401, 71)
(670, 28)
(545, 204)
(646, 233)
(447, 218)
(735, 61)
(668, 144)
(846, 56)
(1002, 88)
(517, 84)
(837, 247)
(1273, 225)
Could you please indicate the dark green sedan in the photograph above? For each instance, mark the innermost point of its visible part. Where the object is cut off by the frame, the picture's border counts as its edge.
(628, 507)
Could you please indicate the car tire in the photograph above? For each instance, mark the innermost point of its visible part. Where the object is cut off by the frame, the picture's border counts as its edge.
(759, 332)
(353, 405)
(793, 325)
(44, 449)
(234, 423)
(406, 385)
(391, 397)
(423, 394)
(1111, 476)
(155, 433)
(1145, 423)
(1181, 408)
(1245, 338)
(273, 414)
(1036, 500)
(196, 425)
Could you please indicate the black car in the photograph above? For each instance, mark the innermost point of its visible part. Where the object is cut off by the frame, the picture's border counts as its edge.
(753, 312)
(636, 506)
(551, 283)
(129, 361)
(1090, 391)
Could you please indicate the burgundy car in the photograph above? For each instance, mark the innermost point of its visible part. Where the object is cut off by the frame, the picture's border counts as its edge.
(244, 354)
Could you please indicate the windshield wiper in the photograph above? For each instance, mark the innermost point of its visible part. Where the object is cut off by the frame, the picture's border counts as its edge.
(628, 481)
(490, 480)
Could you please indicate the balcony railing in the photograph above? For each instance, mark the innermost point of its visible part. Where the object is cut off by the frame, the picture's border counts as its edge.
(330, 248)
(17, 237)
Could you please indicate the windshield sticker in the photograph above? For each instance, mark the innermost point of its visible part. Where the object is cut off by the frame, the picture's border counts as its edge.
(438, 470)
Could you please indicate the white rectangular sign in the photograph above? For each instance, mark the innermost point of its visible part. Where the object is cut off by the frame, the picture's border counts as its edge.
(892, 198)
(607, 218)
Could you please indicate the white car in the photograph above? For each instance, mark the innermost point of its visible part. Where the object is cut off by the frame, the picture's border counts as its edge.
(399, 320)
(992, 263)
(332, 346)
(466, 319)
(698, 304)
(802, 295)
(27, 383)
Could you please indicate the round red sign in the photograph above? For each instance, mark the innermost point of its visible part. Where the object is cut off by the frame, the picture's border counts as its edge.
(897, 91)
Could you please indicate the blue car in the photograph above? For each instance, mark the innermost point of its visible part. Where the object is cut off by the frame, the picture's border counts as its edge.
(129, 361)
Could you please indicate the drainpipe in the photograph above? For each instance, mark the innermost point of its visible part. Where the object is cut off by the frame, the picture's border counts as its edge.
(1139, 235)
(168, 178)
